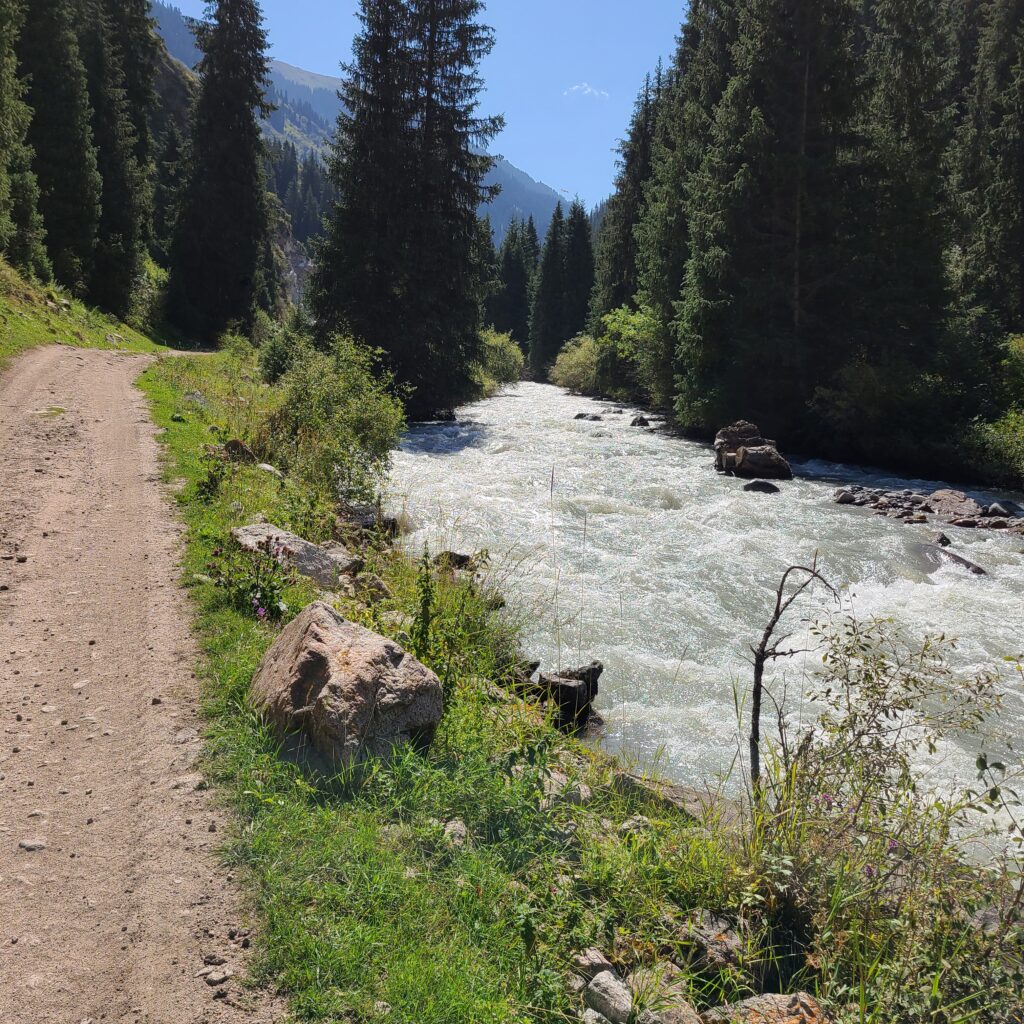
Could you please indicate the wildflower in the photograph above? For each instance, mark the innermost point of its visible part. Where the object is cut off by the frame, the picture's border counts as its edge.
(261, 614)
(870, 870)
(893, 846)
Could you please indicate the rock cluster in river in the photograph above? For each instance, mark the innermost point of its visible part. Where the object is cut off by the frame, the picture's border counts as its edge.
(952, 507)
(741, 451)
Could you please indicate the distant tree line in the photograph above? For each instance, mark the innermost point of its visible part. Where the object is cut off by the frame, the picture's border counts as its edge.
(818, 222)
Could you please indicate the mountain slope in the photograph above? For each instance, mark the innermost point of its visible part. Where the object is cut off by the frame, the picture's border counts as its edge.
(308, 105)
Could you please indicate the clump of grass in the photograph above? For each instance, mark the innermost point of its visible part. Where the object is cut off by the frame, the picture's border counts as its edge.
(370, 913)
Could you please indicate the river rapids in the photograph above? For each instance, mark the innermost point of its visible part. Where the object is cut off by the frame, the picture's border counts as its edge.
(622, 544)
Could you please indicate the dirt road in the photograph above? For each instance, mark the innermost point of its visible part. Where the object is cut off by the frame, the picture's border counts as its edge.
(111, 894)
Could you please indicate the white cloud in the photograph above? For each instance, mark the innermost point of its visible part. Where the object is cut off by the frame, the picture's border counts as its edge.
(586, 89)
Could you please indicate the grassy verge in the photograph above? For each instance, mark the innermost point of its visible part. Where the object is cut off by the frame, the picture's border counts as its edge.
(31, 315)
(373, 912)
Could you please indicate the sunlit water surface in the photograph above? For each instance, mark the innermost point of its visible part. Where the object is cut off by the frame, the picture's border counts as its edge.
(624, 545)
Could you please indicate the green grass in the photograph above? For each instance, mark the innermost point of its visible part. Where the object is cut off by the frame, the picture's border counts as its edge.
(369, 914)
(32, 315)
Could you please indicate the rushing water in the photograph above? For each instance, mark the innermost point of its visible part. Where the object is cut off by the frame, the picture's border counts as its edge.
(624, 545)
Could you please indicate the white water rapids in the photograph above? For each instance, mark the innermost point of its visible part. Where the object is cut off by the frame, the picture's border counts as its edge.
(622, 544)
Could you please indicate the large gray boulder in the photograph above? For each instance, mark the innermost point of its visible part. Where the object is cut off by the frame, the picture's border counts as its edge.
(954, 504)
(322, 565)
(762, 461)
(349, 692)
(609, 997)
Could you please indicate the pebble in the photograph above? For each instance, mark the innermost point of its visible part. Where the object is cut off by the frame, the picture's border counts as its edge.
(32, 845)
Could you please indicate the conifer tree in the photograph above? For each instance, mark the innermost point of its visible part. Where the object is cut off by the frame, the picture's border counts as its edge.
(117, 263)
(579, 271)
(907, 123)
(990, 157)
(445, 280)
(531, 243)
(21, 234)
(616, 259)
(510, 308)
(169, 180)
(60, 137)
(219, 265)
(759, 315)
(360, 276)
(135, 41)
(547, 315)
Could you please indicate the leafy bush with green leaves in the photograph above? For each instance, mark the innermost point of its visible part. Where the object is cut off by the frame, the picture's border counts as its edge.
(337, 420)
(502, 362)
(576, 367)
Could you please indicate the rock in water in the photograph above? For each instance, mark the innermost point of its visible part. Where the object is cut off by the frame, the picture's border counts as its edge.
(761, 487)
(768, 1009)
(348, 691)
(764, 460)
(640, 421)
(954, 504)
(322, 565)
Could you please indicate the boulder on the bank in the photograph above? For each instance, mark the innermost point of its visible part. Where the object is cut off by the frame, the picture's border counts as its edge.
(573, 691)
(761, 487)
(349, 692)
(768, 1009)
(610, 997)
(322, 565)
(454, 561)
(714, 940)
(763, 460)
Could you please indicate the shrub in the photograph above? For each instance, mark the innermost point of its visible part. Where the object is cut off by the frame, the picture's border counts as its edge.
(637, 356)
(576, 367)
(502, 362)
(337, 421)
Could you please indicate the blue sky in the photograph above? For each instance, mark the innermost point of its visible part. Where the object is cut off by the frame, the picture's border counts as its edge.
(564, 73)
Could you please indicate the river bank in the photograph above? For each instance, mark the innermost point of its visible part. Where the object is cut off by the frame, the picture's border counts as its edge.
(500, 874)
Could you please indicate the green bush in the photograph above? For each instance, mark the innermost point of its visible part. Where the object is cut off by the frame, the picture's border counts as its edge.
(576, 367)
(337, 421)
(501, 363)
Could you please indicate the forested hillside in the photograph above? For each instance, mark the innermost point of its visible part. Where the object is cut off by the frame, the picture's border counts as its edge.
(818, 224)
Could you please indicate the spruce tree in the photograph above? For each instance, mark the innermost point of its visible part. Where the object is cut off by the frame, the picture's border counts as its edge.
(21, 234)
(360, 277)
(137, 46)
(547, 317)
(123, 230)
(578, 270)
(446, 281)
(617, 280)
(907, 124)
(169, 180)
(694, 85)
(219, 263)
(510, 308)
(531, 243)
(762, 305)
(990, 156)
(60, 137)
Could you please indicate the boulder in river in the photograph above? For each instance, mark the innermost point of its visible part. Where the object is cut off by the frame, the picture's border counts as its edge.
(590, 417)
(954, 504)
(347, 691)
(763, 460)
(741, 449)
(936, 554)
(573, 692)
(761, 487)
(640, 421)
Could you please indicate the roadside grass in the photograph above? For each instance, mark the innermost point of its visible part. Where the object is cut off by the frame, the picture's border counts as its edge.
(32, 315)
(372, 913)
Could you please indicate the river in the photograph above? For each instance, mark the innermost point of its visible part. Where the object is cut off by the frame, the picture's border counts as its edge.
(623, 544)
